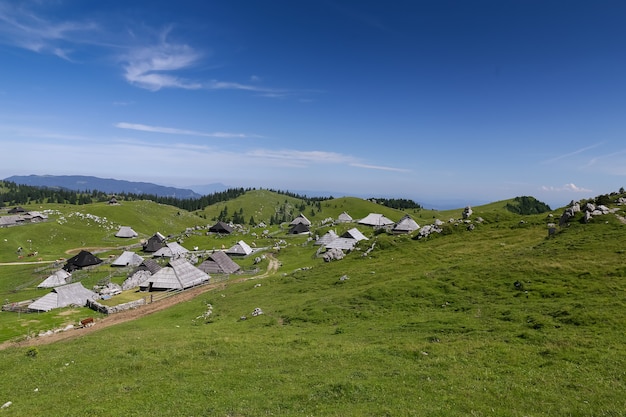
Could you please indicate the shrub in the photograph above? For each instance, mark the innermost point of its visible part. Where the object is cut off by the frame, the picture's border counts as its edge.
(32, 352)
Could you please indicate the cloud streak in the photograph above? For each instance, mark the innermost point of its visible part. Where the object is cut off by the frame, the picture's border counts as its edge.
(150, 65)
(570, 154)
(24, 29)
(175, 131)
(571, 187)
(379, 167)
(300, 158)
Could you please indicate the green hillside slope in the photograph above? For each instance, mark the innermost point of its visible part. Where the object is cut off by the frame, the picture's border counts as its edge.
(501, 320)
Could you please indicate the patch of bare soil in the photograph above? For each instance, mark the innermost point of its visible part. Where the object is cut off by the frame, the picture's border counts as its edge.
(67, 312)
(142, 311)
(92, 249)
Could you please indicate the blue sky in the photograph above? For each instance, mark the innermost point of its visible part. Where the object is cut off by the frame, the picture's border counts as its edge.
(473, 101)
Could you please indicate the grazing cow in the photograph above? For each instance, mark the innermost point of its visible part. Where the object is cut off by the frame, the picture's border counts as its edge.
(88, 322)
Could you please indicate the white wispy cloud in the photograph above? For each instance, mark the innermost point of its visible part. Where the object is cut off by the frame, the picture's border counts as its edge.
(571, 187)
(573, 153)
(147, 61)
(25, 29)
(175, 131)
(152, 67)
(379, 167)
(301, 158)
(611, 157)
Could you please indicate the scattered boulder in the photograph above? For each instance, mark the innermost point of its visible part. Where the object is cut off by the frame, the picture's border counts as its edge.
(467, 212)
(333, 254)
(428, 230)
(257, 312)
(136, 280)
(567, 215)
(603, 209)
(109, 289)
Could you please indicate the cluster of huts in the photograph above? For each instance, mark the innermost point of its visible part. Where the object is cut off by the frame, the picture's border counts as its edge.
(18, 216)
(178, 273)
(146, 273)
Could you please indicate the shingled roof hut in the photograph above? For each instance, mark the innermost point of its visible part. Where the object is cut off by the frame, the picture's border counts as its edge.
(240, 248)
(298, 228)
(344, 218)
(156, 242)
(405, 225)
(219, 263)
(178, 275)
(171, 250)
(128, 258)
(126, 232)
(326, 238)
(221, 227)
(66, 295)
(355, 234)
(60, 277)
(81, 260)
(301, 219)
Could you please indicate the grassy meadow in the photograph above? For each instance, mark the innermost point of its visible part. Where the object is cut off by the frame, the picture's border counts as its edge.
(499, 321)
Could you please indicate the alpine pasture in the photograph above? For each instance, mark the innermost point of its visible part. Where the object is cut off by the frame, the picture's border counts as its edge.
(502, 320)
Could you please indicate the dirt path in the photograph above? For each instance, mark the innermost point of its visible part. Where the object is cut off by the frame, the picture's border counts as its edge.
(128, 315)
(92, 249)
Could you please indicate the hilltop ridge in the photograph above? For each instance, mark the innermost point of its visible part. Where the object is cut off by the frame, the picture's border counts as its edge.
(107, 185)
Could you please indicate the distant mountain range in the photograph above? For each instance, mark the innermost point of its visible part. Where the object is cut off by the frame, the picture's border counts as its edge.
(112, 186)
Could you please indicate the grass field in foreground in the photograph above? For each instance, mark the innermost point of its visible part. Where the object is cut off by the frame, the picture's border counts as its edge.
(500, 321)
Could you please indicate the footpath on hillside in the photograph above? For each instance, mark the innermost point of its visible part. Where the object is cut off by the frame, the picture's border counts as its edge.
(139, 312)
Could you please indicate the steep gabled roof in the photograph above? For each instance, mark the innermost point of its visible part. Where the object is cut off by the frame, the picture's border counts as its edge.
(220, 227)
(355, 234)
(406, 225)
(375, 219)
(34, 215)
(344, 218)
(149, 265)
(219, 263)
(343, 243)
(240, 248)
(11, 220)
(298, 228)
(180, 274)
(156, 242)
(128, 258)
(66, 295)
(81, 260)
(171, 250)
(301, 219)
(57, 279)
(126, 232)
(326, 238)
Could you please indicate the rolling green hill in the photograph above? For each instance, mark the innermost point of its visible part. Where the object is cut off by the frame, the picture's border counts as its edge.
(262, 205)
(502, 320)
